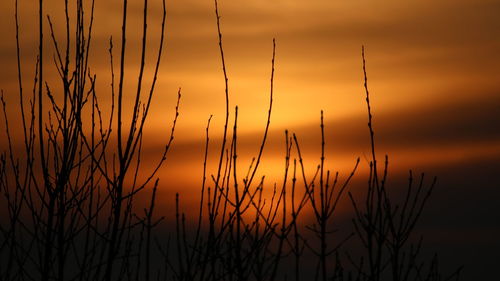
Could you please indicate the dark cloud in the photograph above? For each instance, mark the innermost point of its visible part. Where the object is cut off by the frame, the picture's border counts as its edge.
(462, 220)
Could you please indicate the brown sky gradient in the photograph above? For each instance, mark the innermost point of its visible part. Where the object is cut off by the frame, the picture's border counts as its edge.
(433, 70)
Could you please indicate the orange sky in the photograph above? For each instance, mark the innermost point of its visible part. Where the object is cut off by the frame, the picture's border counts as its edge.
(432, 69)
(433, 65)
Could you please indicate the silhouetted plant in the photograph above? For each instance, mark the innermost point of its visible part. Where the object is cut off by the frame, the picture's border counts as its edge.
(384, 227)
(72, 213)
(70, 193)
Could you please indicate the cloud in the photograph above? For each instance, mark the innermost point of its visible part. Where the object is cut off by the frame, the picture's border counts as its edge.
(467, 125)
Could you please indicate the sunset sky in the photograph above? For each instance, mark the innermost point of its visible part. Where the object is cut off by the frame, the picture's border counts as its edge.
(433, 74)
